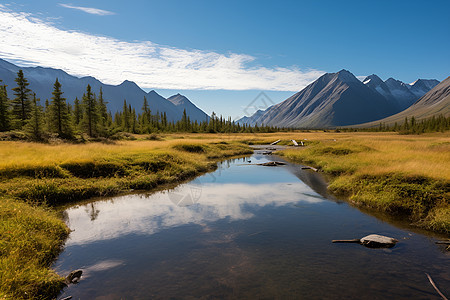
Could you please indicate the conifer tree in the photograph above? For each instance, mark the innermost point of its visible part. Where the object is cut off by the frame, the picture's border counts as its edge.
(21, 104)
(125, 117)
(146, 116)
(164, 120)
(102, 109)
(133, 121)
(35, 124)
(77, 113)
(59, 117)
(5, 124)
(90, 112)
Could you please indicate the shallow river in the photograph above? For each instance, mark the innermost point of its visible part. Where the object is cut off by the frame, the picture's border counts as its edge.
(244, 231)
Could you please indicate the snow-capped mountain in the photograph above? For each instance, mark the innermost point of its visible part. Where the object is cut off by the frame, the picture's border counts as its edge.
(335, 99)
(401, 94)
(422, 86)
(340, 99)
(435, 102)
(375, 83)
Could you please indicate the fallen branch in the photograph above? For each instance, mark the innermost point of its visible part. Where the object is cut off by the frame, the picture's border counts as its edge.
(272, 164)
(435, 287)
(310, 168)
(372, 241)
(276, 142)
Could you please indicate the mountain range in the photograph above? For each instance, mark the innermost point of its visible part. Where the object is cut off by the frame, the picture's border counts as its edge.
(340, 99)
(433, 103)
(42, 79)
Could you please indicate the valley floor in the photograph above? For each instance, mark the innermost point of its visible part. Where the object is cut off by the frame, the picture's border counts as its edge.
(34, 178)
(399, 174)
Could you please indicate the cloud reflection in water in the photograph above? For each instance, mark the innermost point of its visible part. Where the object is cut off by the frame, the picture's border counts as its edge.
(141, 214)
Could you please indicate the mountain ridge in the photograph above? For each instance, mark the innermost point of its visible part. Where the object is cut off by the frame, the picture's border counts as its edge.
(183, 103)
(340, 99)
(334, 99)
(42, 79)
(434, 102)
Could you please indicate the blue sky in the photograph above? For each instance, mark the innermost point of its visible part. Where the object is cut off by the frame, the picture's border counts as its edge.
(221, 54)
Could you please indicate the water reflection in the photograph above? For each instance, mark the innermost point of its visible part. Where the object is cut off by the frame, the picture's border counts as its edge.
(141, 214)
(242, 232)
(92, 211)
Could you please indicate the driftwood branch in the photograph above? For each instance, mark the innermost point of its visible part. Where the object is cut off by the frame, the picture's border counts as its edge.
(372, 241)
(435, 287)
(310, 168)
(443, 242)
(276, 142)
(272, 164)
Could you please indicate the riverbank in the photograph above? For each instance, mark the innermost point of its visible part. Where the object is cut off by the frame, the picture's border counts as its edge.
(394, 173)
(36, 177)
(400, 175)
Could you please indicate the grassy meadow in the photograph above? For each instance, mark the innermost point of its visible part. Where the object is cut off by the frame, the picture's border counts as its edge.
(398, 174)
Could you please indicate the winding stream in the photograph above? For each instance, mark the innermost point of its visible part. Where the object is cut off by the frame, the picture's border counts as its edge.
(244, 231)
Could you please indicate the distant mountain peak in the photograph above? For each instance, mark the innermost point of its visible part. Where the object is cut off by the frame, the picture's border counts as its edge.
(373, 79)
(178, 99)
(128, 82)
(421, 86)
(184, 104)
(394, 81)
(429, 83)
(346, 76)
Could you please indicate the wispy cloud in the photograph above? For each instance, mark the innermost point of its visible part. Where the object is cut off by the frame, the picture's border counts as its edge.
(89, 10)
(26, 38)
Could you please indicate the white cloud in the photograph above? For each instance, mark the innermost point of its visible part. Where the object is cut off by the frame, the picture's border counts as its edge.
(28, 39)
(89, 10)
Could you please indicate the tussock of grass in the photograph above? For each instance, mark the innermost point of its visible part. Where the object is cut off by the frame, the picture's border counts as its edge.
(31, 236)
(194, 148)
(389, 172)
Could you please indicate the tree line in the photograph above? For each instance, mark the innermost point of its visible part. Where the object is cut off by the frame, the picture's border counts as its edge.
(410, 125)
(89, 115)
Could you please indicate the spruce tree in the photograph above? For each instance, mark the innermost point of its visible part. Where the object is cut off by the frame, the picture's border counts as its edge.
(35, 124)
(59, 117)
(77, 113)
(133, 121)
(5, 124)
(102, 109)
(146, 117)
(125, 117)
(21, 104)
(90, 112)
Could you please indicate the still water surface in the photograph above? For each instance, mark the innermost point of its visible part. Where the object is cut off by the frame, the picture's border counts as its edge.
(243, 231)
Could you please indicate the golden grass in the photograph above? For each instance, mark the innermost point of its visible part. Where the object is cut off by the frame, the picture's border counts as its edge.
(386, 171)
(383, 170)
(31, 236)
(381, 153)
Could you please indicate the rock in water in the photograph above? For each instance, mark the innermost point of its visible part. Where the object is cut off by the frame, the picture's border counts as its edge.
(378, 241)
(74, 276)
